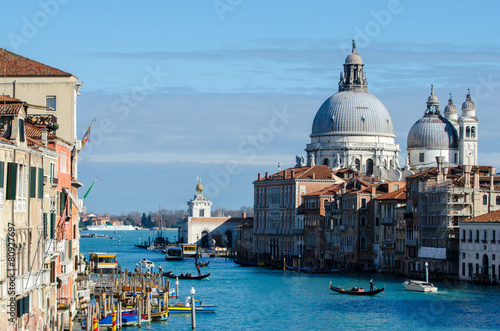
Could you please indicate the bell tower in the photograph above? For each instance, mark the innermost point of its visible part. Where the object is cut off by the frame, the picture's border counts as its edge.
(468, 133)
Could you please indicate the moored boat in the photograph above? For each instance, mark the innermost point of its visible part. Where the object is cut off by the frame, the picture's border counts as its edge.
(355, 290)
(419, 286)
(185, 307)
(249, 263)
(174, 253)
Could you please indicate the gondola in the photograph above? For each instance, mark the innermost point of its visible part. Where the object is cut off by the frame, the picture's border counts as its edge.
(202, 264)
(171, 275)
(249, 263)
(344, 291)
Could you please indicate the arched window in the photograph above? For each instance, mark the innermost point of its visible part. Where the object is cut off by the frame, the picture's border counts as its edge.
(369, 167)
(363, 242)
(485, 199)
(363, 221)
(473, 132)
(326, 162)
(467, 132)
(498, 200)
(358, 165)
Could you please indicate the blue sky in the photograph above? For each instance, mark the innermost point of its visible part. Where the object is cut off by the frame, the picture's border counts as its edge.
(226, 89)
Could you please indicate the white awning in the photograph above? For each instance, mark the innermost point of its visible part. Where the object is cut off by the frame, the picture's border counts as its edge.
(432, 253)
(73, 199)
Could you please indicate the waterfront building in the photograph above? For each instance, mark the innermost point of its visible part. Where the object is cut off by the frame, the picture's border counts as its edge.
(38, 191)
(200, 228)
(480, 248)
(51, 91)
(317, 248)
(24, 281)
(389, 239)
(278, 213)
(437, 200)
(352, 128)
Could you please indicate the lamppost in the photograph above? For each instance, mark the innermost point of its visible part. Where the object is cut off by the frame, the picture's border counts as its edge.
(426, 272)
(193, 309)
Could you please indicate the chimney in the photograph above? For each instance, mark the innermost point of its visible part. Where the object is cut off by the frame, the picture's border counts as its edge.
(476, 179)
(293, 173)
(445, 172)
(440, 163)
(44, 137)
(344, 185)
(467, 169)
(267, 175)
(314, 175)
(374, 190)
(492, 178)
(244, 215)
(258, 176)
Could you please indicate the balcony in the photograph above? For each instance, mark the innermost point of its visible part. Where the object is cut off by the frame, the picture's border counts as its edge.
(49, 121)
(28, 282)
(388, 244)
(411, 242)
(388, 221)
(342, 227)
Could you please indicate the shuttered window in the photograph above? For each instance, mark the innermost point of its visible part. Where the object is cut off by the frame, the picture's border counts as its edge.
(52, 225)
(40, 183)
(62, 201)
(44, 225)
(32, 182)
(11, 181)
(2, 166)
(21, 130)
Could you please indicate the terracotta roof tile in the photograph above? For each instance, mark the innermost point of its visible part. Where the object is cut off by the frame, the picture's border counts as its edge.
(395, 195)
(8, 98)
(10, 108)
(492, 217)
(330, 190)
(35, 132)
(308, 172)
(12, 64)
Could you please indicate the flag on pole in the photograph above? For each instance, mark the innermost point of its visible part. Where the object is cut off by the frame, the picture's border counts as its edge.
(86, 137)
(87, 193)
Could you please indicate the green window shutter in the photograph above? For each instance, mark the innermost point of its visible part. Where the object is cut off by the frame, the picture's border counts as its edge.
(62, 201)
(32, 182)
(40, 183)
(21, 130)
(27, 304)
(11, 181)
(44, 225)
(70, 248)
(20, 307)
(2, 166)
(52, 225)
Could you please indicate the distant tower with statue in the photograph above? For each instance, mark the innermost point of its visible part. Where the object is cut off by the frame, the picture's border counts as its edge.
(199, 206)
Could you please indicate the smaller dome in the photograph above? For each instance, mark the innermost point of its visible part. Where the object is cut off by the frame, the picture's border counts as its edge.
(432, 131)
(433, 99)
(468, 104)
(353, 58)
(450, 108)
(199, 188)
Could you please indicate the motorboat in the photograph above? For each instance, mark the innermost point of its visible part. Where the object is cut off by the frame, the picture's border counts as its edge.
(147, 264)
(419, 286)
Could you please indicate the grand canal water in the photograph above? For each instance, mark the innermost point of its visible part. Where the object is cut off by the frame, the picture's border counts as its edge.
(261, 299)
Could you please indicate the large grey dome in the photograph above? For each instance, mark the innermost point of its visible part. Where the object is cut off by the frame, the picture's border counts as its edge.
(432, 131)
(353, 112)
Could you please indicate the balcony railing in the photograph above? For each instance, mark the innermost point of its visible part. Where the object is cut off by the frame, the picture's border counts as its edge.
(27, 282)
(49, 121)
(411, 242)
(388, 221)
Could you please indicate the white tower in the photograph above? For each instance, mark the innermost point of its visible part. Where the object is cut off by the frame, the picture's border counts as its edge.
(468, 133)
(199, 206)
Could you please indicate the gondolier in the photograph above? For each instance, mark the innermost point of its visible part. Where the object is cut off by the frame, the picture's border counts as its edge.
(371, 284)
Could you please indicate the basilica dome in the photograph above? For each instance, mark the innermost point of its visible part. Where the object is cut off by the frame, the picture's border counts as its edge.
(353, 112)
(432, 132)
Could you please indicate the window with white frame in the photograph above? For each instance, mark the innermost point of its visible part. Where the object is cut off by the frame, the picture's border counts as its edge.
(50, 102)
